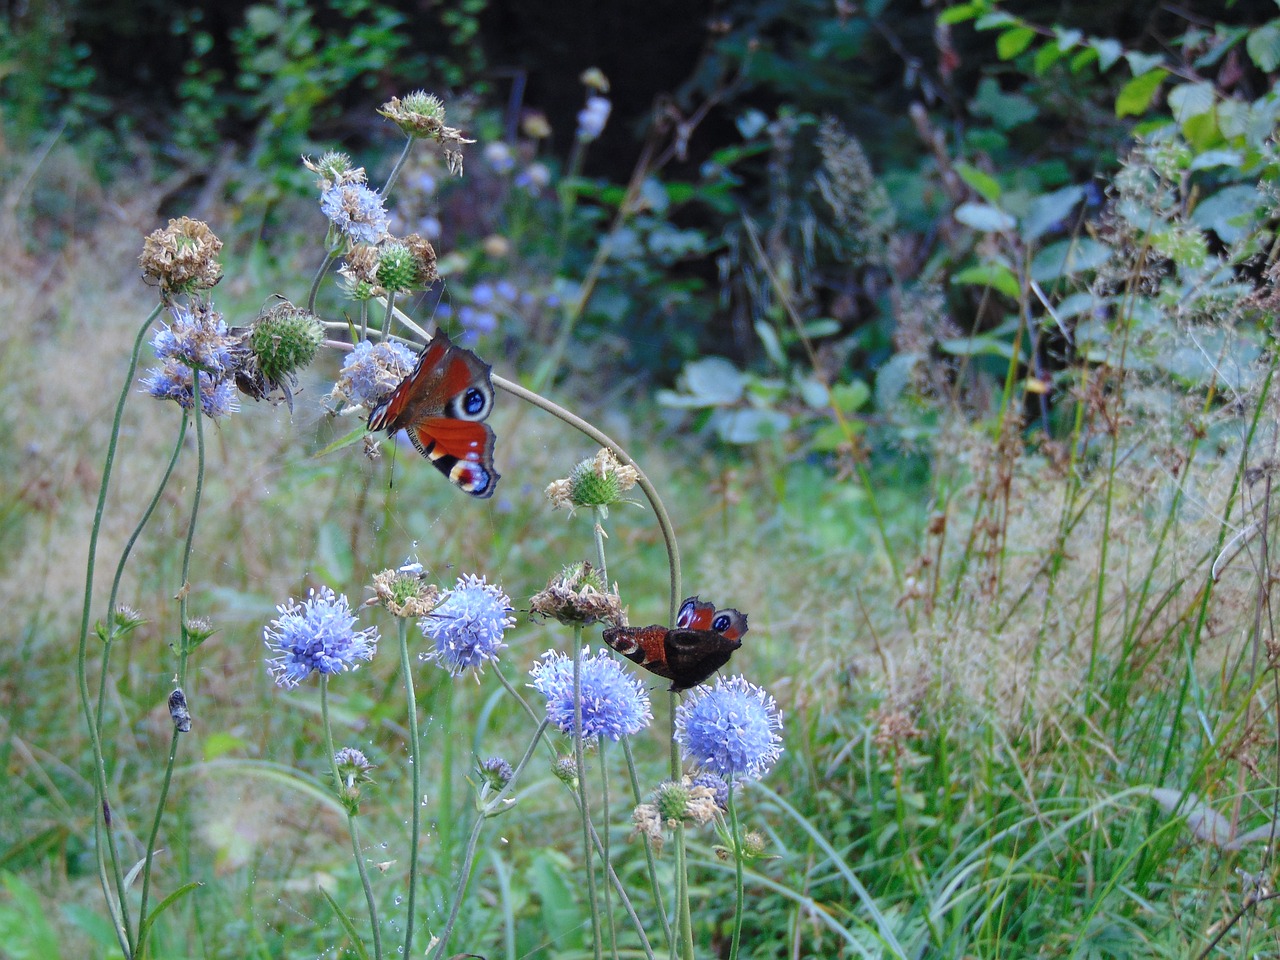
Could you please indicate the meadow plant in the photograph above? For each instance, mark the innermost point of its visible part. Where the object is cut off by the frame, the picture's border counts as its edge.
(731, 734)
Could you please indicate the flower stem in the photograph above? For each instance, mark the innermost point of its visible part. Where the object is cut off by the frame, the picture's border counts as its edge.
(585, 810)
(600, 513)
(415, 760)
(184, 645)
(329, 256)
(608, 861)
(682, 895)
(491, 808)
(648, 844)
(352, 824)
(736, 834)
(101, 819)
(444, 816)
(395, 171)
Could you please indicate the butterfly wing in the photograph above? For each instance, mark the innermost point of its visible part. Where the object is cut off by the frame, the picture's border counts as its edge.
(693, 655)
(643, 645)
(441, 405)
(701, 643)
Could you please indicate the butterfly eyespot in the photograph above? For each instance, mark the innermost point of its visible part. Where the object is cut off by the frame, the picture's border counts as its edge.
(473, 401)
(721, 623)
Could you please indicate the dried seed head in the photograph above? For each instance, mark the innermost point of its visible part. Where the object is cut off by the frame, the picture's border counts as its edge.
(182, 258)
(577, 596)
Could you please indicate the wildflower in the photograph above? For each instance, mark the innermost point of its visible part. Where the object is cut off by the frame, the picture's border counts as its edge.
(334, 169)
(534, 178)
(614, 703)
(316, 635)
(421, 114)
(356, 210)
(405, 593)
(467, 625)
(353, 770)
(731, 729)
(196, 337)
(499, 156)
(359, 272)
(598, 482)
(280, 342)
(593, 117)
(496, 772)
(173, 382)
(577, 595)
(197, 630)
(400, 269)
(371, 371)
(477, 322)
(535, 125)
(182, 258)
(566, 771)
(716, 786)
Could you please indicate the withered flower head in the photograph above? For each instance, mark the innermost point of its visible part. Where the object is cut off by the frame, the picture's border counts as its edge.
(599, 482)
(334, 169)
(577, 596)
(405, 593)
(181, 258)
(359, 272)
(421, 114)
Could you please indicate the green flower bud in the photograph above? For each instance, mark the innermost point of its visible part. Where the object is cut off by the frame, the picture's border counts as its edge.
(284, 340)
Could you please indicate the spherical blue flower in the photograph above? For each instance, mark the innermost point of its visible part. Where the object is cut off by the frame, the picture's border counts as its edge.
(731, 729)
(467, 625)
(373, 370)
(614, 701)
(507, 291)
(316, 635)
(173, 382)
(356, 210)
(500, 156)
(195, 338)
(477, 321)
(482, 294)
(717, 786)
(593, 117)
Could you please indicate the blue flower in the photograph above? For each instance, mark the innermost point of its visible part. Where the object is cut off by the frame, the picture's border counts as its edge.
(593, 117)
(732, 729)
(373, 370)
(614, 702)
(173, 382)
(356, 210)
(467, 625)
(196, 339)
(316, 635)
(477, 321)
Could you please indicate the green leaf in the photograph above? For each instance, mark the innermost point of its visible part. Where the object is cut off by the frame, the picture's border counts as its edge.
(1136, 95)
(1190, 99)
(1046, 57)
(983, 183)
(1263, 45)
(1007, 110)
(145, 929)
(961, 13)
(850, 397)
(1049, 210)
(984, 217)
(977, 346)
(1012, 42)
(1066, 257)
(1230, 212)
(347, 925)
(772, 345)
(749, 424)
(714, 381)
(997, 276)
(1067, 38)
(1140, 63)
(1108, 51)
(995, 20)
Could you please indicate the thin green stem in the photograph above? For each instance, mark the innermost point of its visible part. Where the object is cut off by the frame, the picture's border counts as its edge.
(584, 810)
(598, 530)
(444, 814)
(415, 760)
(395, 171)
(353, 826)
(608, 860)
(685, 918)
(391, 312)
(648, 844)
(491, 808)
(101, 817)
(330, 255)
(184, 643)
(736, 834)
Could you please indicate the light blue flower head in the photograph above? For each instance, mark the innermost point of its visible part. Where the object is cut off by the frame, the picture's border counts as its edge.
(732, 729)
(173, 382)
(356, 210)
(467, 625)
(373, 370)
(614, 702)
(195, 338)
(316, 635)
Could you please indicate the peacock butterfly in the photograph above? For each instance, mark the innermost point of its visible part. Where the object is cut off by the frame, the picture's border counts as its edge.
(697, 646)
(441, 405)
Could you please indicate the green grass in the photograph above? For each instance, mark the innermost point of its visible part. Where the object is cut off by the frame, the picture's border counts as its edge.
(970, 752)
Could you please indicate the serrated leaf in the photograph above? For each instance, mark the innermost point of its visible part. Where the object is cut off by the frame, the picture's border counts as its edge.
(1136, 95)
(997, 276)
(983, 183)
(1263, 45)
(1012, 42)
(984, 217)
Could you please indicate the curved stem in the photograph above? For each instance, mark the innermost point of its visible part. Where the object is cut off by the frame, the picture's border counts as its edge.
(395, 171)
(415, 760)
(101, 817)
(352, 823)
(584, 810)
(329, 256)
(651, 494)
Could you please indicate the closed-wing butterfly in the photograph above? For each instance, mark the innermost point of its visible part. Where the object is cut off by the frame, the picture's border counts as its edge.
(442, 404)
(698, 645)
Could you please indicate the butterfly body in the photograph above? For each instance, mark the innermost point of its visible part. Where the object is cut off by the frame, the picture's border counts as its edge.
(441, 405)
(698, 645)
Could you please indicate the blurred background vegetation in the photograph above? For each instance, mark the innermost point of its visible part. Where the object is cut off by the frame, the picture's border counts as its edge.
(946, 329)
